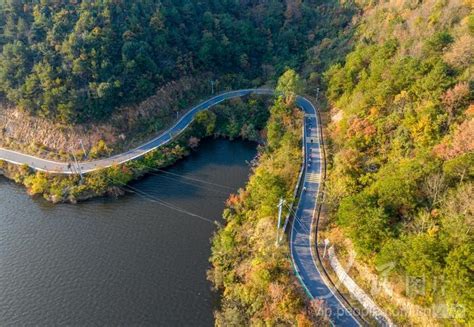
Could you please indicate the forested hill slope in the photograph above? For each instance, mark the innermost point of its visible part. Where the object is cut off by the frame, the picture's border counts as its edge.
(401, 182)
(75, 60)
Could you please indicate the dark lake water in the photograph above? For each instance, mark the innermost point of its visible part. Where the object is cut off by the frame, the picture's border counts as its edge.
(126, 261)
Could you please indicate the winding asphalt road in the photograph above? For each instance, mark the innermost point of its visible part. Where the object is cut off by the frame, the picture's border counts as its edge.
(302, 253)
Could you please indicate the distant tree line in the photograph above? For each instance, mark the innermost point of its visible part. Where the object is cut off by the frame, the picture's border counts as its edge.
(73, 60)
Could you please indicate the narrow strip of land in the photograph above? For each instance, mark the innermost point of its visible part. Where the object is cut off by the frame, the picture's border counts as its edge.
(302, 252)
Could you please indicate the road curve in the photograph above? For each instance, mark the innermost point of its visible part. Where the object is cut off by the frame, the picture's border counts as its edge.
(302, 253)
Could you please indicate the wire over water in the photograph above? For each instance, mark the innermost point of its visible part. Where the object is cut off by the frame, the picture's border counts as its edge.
(189, 183)
(193, 179)
(166, 204)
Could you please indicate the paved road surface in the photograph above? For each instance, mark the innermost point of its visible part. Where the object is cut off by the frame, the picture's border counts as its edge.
(301, 251)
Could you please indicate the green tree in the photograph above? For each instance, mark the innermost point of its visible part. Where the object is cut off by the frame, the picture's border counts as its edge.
(367, 224)
(289, 84)
(460, 282)
(204, 123)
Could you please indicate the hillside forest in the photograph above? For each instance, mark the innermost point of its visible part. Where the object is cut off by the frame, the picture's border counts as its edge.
(402, 166)
(73, 61)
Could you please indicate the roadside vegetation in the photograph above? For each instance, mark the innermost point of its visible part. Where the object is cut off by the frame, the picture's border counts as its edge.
(401, 176)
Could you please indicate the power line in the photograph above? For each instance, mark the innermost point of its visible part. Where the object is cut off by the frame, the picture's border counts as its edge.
(297, 218)
(168, 205)
(193, 179)
(155, 199)
(189, 183)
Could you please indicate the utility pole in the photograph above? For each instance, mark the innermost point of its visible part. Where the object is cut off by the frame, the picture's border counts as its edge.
(326, 243)
(77, 166)
(70, 167)
(280, 209)
(83, 149)
(212, 86)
